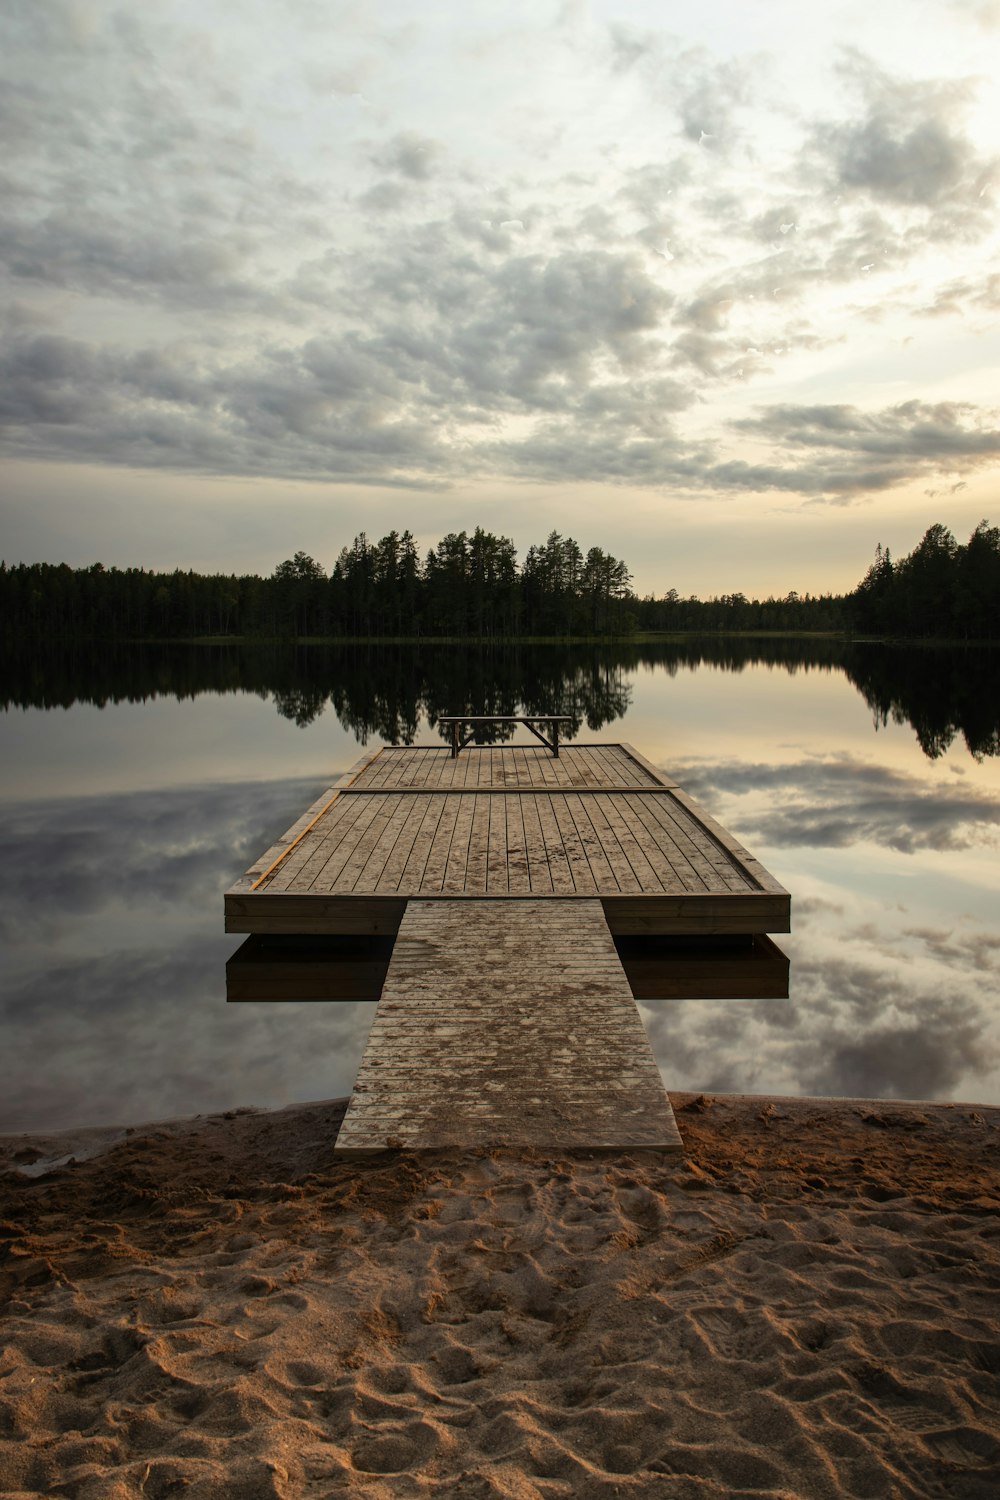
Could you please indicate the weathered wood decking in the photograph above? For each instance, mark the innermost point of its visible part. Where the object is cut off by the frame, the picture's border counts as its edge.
(507, 1023)
(505, 1012)
(508, 821)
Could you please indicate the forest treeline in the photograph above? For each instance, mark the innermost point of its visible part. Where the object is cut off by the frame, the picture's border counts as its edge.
(470, 586)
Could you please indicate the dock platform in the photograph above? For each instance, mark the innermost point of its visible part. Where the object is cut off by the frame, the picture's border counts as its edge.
(509, 821)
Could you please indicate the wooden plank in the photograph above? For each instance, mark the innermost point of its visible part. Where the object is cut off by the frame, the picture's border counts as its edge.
(455, 876)
(304, 914)
(324, 835)
(523, 825)
(611, 772)
(602, 874)
(592, 770)
(709, 913)
(390, 813)
(691, 871)
(715, 863)
(326, 857)
(408, 815)
(414, 871)
(414, 771)
(277, 850)
(556, 857)
(616, 832)
(542, 1051)
(323, 853)
(732, 845)
(518, 873)
(658, 777)
(572, 845)
(497, 852)
(477, 866)
(450, 773)
(535, 853)
(384, 765)
(510, 787)
(547, 772)
(713, 867)
(436, 864)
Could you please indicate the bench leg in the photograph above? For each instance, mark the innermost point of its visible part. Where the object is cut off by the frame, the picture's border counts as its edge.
(552, 744)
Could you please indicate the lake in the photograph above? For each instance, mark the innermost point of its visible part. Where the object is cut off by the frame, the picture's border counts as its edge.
(139, 782)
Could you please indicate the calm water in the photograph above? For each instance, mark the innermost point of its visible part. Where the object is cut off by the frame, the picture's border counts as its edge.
(137, 786)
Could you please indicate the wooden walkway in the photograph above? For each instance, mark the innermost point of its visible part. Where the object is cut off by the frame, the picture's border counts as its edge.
(507, 1023)
(507, 821)
(505, 874)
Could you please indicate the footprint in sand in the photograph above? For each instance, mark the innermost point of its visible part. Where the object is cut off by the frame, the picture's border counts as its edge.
(394, 1452)
(458, 1365)
(966, 1447)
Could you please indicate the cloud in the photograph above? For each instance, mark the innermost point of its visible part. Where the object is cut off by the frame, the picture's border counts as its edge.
(229, 267)
(853, 452)
(113, 1006)
(907, 147)
(561, 344)
(144, 852)
(704, 94)
(409, 154)
(842, 801)
(978, 950)
(563, 334)
(137, 1036)
(867, 1017)
(984, 13)
(963, 295)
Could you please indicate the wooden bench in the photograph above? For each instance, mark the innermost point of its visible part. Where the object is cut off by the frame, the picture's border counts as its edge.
(458, 723)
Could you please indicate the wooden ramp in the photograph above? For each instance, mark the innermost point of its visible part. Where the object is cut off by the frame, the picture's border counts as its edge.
(509, 1023)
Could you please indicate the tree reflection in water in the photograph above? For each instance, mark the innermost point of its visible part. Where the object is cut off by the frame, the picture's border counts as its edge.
(387, 691)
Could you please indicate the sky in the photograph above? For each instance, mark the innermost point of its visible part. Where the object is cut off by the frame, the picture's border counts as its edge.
(713, 287)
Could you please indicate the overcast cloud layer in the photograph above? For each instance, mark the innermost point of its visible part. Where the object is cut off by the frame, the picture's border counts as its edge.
(730, 256)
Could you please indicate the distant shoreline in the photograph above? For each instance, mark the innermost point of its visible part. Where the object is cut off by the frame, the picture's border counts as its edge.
(637, 638)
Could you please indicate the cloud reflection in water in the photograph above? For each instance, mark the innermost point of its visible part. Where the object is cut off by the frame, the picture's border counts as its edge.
(114, 1008)
(884, 1001)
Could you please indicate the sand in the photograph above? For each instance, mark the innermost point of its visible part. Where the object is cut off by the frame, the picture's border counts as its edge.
(805, 1304)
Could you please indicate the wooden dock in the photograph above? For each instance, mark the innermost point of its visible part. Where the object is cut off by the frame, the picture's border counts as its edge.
(415, 824)
(507, 1023)
(505, 875)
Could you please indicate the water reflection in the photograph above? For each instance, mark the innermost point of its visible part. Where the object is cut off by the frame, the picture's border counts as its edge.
(839, 801)
(274, 967)
(112, 1008)
(826, 761)
(279, 968)
(388, 691)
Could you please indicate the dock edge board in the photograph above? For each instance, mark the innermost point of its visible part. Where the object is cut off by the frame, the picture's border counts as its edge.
(308, 915)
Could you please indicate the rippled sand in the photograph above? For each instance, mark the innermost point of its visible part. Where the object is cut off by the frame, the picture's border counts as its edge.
(807, 1304)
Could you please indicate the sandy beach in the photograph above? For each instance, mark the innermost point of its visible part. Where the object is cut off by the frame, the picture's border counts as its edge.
(806, 1303)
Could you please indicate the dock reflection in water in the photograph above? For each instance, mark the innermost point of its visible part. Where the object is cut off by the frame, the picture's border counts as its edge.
(276, 967)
